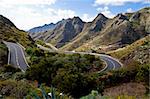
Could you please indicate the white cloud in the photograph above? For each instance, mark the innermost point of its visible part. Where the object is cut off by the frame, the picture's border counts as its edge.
(130, 10)
(87, 18)
(116, 2)
(147, 1)
(23, 2)
(26, 17)
(106, 12)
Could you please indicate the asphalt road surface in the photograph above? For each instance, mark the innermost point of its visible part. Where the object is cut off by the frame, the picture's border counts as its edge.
(16, 56)
(111, 63)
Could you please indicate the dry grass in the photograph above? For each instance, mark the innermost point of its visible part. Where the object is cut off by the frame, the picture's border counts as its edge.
(136, 90)
(119, 53)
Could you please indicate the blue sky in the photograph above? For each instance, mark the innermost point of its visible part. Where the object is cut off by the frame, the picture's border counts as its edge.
(26, 14)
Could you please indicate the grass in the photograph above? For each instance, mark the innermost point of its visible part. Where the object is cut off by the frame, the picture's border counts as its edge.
(3, 54)
(119, 53)
(12, 34)
(134, 90)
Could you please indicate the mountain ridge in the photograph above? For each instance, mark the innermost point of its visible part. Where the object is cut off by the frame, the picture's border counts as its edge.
(74, 34)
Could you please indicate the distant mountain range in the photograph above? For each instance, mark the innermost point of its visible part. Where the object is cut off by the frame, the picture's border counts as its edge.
(43, 28)
(74, 34)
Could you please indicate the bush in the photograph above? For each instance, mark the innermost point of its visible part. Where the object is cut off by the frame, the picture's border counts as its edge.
(74, 83)
(68, 73)
(14, 89)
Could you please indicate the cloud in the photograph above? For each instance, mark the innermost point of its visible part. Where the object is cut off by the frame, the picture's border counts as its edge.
(105, 10)
(26, 17)
(146, 1)
(31, 2)
(117, 2)
(87, 18)
(130, 10)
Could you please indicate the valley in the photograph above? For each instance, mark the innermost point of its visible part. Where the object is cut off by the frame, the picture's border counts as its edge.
(73, 59)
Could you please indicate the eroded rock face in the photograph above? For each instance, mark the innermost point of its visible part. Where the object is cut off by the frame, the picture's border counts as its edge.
(70, 34)
(65, 31)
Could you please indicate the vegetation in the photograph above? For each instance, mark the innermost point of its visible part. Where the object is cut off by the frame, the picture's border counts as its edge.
(67, 73)
(9, 32)
(76, 75)
(3, 54)
(14, 89)
(125, 51)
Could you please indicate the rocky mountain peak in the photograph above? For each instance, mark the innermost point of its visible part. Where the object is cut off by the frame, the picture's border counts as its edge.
(98, 23)
(121, 16)
(101, 17)
(77, 20)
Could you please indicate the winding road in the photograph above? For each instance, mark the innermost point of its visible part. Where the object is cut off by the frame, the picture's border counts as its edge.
(16, 56)
(111, 63)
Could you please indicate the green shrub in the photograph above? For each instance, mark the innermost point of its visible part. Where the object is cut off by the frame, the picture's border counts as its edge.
(14, 89)
(67, 73)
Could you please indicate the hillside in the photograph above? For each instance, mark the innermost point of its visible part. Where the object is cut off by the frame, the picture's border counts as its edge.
(138, 51)
(101, 33)
(119, 31)
(90, 30)
(9, 32)
(3, 54)
(64, 31)
(71, 75)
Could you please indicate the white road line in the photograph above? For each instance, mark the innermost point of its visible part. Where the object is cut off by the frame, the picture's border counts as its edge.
(9, 55)
(112, 63)
(113, 59)
(96, 54)
(21, 46)
(23, 55)
(16, 57)
(106, 65)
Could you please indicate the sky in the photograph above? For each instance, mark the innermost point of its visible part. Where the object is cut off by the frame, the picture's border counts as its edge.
(26, 14)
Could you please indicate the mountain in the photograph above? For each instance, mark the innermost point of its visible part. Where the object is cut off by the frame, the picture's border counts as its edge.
(102, 33)
(138, 51)
(90, 30)
(9, 32)
(64, 31)
(121, 30)
(43, 28)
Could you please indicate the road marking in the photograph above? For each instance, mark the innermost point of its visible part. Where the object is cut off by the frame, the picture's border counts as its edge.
(9, 55)
(23, 55)
(112, 63)
(16, 57)
(106, 65)
(113, 59)
(95, 54)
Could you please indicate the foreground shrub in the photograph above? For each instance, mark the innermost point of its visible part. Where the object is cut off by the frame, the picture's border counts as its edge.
(14, 89)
